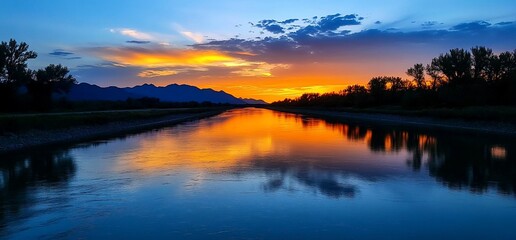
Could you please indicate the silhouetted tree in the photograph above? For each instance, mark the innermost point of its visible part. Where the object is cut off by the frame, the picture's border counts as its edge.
(13, 61)
(356, 95)
(53, 78)
(505, 84)
(377, 87)
(417, 72)
(455, 65)
(308, 99)
(458, 78)
(437, 78)
(483, 63)
(13, 71)
(396, 84)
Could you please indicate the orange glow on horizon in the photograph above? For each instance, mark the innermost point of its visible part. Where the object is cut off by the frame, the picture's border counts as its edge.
(237, 74)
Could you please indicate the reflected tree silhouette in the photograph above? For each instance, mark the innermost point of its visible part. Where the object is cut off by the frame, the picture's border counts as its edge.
(458, 161)
(323, 181)
(20, 173)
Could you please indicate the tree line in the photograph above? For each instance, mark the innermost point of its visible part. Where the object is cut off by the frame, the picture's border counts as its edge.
(455, 79)
(23, 89)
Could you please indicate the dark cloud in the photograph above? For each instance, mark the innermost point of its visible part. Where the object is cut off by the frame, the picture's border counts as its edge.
(428, 24)
(64, 54)
(310, 44)
(61, 53)
(137, 42)
(323, 25)
(274, 28)
(333, 22)
(504, 23)
(289, 21)
(471, 26)
(271, 26)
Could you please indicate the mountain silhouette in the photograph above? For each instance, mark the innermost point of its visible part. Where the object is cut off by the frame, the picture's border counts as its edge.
(253, 101)
(170, 93)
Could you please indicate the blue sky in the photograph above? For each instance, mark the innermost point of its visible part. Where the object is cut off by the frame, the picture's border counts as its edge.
(347, 42)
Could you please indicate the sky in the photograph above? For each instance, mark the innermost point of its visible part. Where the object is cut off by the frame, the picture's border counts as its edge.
(264, 49)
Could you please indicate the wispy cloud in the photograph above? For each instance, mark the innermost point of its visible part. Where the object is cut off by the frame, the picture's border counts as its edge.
(138, 42)
(157, 60)
(156, 73)
(196, 37)
(471, 26)
(133, 33)
(63, 54)
(258, 69)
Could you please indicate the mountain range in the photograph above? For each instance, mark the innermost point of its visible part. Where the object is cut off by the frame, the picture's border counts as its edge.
(170, 93)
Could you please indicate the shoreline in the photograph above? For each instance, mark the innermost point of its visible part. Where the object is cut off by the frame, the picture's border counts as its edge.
(41, 138)
(450, 125)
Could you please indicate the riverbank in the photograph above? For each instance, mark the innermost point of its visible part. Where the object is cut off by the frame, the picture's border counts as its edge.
(28, 132)
(447, 124)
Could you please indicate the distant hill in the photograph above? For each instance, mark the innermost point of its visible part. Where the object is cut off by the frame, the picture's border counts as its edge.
(89, 92)
(253, 101)
(170, 93)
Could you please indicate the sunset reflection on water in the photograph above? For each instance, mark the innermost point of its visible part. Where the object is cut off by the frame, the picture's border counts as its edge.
(239, 139)
(257, 173)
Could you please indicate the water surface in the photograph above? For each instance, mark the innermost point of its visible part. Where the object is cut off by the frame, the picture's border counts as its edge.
(259, 174)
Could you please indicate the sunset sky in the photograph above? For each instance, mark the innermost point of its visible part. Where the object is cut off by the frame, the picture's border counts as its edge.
(259, 49)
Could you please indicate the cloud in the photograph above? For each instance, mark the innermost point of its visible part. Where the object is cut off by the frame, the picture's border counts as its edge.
(159, 60)
(133, 33)
(60, 53)
(324, 25)
(156, 73)
(313, 43)
(271, 26)
(288, 21)
(504, 23)
(162, 56)
(137, 42)
(196, 37)
(274, 28)
(317, 51)
(333, 22)
(428, 24)
(259, 69)
(64, 54)
(471, 26)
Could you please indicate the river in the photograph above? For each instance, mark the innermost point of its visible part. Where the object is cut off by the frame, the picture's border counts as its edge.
(259, 174)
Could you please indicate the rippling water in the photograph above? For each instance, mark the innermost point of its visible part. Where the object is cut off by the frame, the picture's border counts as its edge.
(259, 174)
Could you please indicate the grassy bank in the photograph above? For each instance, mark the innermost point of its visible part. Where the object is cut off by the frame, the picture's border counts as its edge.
(16, 123)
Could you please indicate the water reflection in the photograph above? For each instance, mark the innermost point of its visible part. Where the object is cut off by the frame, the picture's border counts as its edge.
(323, 155)
(459, 161)
(22, 174)
(255, 172)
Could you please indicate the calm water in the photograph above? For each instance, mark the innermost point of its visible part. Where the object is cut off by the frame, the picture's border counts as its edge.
(258, 174)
